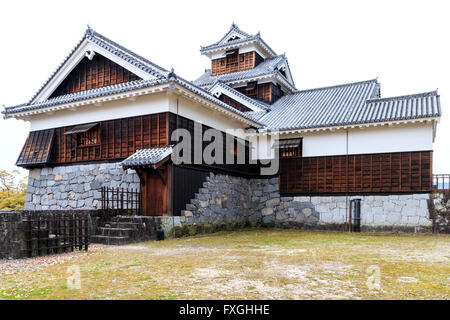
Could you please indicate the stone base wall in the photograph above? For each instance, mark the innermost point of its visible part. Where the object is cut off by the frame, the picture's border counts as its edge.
(407, 213)
(75, 187)
(440, 209)
(227, 201)
(258, 201)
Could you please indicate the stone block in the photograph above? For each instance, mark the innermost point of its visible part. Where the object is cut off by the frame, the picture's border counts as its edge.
(307, 212)
(187, 213)
(272, 202)
(270, 188)
(95, 185)
(267, 211)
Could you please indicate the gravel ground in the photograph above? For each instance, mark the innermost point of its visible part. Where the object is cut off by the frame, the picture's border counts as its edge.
(33, 264)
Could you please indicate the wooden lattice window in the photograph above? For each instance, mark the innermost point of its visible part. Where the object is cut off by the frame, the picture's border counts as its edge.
(232, 59)
(290, 148)
(85, 134)
(89, 138)
(251, 90)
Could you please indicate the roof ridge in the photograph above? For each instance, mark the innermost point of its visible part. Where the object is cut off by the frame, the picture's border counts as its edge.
(337, 86)
(402, 97)
(233, 27)
(145, 60)
(85, 35)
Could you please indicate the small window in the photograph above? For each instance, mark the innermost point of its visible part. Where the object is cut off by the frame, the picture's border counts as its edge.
(290, 148)
(252, 89)
(232, 58)
(88, 138)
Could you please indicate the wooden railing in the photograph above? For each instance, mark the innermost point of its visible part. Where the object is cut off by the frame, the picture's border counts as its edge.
(122, 199)
(441, 182)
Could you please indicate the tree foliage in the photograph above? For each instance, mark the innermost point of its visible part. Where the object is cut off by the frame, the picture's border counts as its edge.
(12, 190)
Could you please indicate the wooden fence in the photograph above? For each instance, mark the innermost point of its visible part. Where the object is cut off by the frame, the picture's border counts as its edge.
(55, 233)
(122, 199)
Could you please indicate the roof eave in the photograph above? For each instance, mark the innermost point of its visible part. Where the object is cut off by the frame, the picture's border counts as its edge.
(134, 92)
(226, 46)
(353, 125)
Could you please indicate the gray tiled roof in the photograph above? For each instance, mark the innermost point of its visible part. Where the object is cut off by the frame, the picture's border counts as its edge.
(353, 103)
(416, 106)
(147, 157)
(267, 67)
(116, 49)
(84, 95)
(245, 38)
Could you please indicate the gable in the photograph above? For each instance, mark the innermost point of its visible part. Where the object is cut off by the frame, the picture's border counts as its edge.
(89, 46)
(92, 74)
(232, 36)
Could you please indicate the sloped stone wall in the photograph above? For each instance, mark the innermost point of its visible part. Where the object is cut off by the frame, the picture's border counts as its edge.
(226, 198)
(440, 210)
(75, 187)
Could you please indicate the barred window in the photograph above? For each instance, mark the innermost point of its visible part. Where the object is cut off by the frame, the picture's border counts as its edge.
(89, 138)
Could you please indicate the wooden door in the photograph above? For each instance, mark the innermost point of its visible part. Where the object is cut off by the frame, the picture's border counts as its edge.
(154, 192)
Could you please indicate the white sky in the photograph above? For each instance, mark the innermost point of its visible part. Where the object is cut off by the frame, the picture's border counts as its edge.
(403, 43)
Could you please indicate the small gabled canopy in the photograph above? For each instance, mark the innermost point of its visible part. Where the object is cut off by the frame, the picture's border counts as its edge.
(82, 128)
(148, 158)
(287, 143)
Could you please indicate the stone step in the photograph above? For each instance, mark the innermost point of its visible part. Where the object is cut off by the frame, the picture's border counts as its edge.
(124, 225)
(135, 219)
(116, 232)
(110, 240)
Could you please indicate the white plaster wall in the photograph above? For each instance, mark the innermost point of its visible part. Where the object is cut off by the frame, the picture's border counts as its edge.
(117, 109)
(324, 144)
(398, 138)
(197, 112)
(411, 137)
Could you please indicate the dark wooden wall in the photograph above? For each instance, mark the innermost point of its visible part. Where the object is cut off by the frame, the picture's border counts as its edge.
(243, 61)
(238, 169)
(187, 181)
(368, 173)
(118, 139)
(234, 103)
(91, 74)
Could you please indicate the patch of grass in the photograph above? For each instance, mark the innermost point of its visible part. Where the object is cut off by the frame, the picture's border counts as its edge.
(251, 264)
